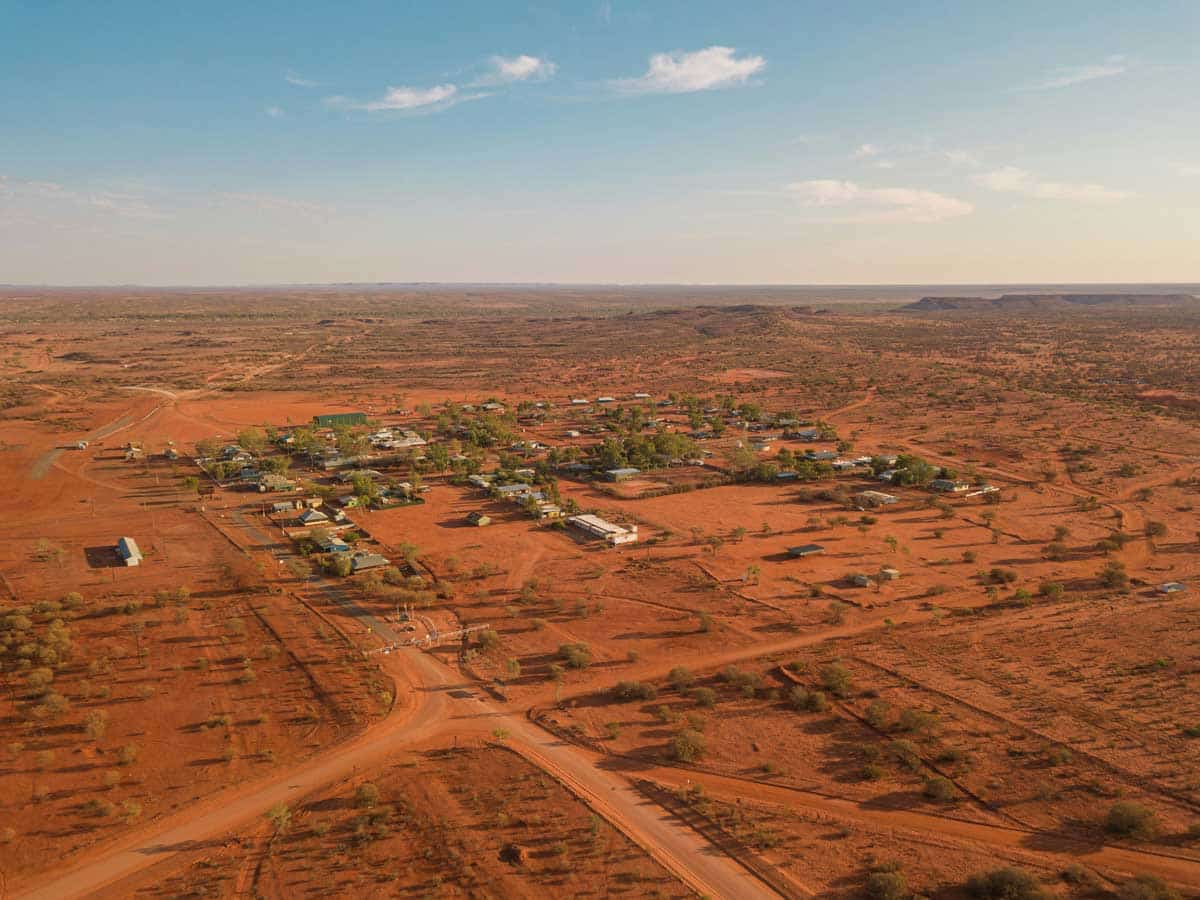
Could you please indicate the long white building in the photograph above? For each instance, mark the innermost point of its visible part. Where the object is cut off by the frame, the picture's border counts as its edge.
(597, 527)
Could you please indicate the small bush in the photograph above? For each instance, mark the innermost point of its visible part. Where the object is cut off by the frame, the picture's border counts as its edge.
(705, 697)
(628, 691)
(1132, 820)
(1146, 887)
(836, 679)
(886, 886)
(366, 796)
(940, 789)
(681, 679)
(575, 656)
(687, 746)
(1009, 883)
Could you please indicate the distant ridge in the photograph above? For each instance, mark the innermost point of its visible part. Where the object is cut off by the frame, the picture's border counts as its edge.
(1017, 302)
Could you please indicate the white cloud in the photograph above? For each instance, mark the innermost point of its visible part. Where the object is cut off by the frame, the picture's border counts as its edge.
(885, 164)
(605, 11)
(865, 151)
(275, 112)
(410, 99)
(1189, 171)
(509, 69)
(1065, 76)
(702, 70)
(298, 80)
(1011, 180)
(886, 205)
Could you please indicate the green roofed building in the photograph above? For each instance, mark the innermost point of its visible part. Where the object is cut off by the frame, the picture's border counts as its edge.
(329, 420)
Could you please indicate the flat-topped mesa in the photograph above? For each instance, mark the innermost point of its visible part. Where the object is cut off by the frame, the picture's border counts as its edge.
(1014, 302)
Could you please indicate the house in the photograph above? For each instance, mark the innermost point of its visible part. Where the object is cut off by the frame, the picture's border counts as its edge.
(574, 434)
(81, 445)
(805, 550)
(887, 475)
(283, 506)
(483, 482)
(330, 420)
(597, 527)
(127, 549)
(350, 474)
(641, 395)
(312, 517)
(579, 402)
(949, 486)
(870, 499)
(363, 560)
(623, 474)
(333, 545)
(546, 510)
(820, 455)
(860, 580)
(606, 399)
(1172, 587)
(511, 490)
(887, 573)
(272, 482)
(478, 519)
(492, 406)
(803, 434)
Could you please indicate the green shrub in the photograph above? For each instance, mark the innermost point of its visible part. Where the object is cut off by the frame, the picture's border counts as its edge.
(687, 746)
(1132, 820)
(1009, 883)
(1146, 887)
(628, 691)
(575, 656)
(681, 679)
(886, 886)
(940, 789)
(836, 679)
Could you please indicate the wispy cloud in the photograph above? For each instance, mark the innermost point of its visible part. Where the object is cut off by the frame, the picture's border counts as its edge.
(883, 205)
(604, 12)
(52, 195)
(511, 69)
(410, 99)
(275, 112)
(865, 151)
(702, 70)
(1189, 171)
(299, 80)
(1011, 180)
(1065, 76)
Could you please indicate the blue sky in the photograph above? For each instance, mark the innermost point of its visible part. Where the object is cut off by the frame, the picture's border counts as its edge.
(664, 141)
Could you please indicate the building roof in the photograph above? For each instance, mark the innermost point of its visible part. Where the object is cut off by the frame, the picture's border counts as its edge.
(365, 560)
(128, 549)
(313, 515)
(805, 550)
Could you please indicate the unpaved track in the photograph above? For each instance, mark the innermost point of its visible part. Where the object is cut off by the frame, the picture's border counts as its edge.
(1032, 846)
